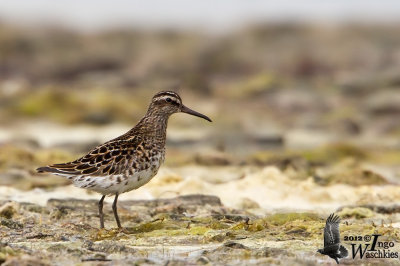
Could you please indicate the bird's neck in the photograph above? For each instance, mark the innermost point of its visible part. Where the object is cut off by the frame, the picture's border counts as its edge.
(154, 126)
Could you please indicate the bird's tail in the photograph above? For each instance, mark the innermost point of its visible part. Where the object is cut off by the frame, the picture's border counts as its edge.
(343, 253)
(67, 170)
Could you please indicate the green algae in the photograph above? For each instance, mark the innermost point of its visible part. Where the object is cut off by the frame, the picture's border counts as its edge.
(47, 101)
(7, 252)
(47, 156)
(12, 156)
(344, 166)
(148, 227)
(198, 230)
(330, 153)
(358, 213)
(12, 224)
(59, 213)
(8, 210)
(94, 106)
(104, 234)
(254, 85)
(279, 219)
(335, 152)
(385, 157)
(233, 237)
(351, 172)
(30, 207)
(16, 156)
(325, 155)
(168, 228)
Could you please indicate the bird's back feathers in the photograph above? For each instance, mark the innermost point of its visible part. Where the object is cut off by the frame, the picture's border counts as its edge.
(122, 155)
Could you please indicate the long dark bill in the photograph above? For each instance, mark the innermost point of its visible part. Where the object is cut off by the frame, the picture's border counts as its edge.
(187, 110)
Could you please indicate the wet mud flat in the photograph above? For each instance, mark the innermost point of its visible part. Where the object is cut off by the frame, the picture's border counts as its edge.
(191, 229)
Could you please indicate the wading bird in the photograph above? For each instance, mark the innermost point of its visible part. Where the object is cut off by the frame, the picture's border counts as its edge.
(129, 161)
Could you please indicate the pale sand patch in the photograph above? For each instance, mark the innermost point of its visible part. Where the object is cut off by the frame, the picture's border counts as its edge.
(268, 186)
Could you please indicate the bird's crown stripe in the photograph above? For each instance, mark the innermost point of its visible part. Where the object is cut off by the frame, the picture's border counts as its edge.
(167, 93)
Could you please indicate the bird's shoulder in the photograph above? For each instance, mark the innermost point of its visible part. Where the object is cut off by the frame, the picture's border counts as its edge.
(113, 151)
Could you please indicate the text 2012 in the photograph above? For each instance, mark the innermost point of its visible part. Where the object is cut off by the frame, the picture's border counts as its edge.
(353, 238)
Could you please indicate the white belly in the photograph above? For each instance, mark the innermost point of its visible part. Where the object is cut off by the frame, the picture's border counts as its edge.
(139, 179)
(114, 184)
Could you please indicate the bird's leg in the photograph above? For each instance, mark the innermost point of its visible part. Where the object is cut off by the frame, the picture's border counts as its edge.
(114, 207)
(101, 212)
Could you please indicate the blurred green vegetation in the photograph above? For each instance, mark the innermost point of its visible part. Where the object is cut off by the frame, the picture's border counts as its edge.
(95, 106)
(262, 85)
(329, 73)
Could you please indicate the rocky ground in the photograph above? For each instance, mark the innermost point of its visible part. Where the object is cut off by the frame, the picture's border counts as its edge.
(192, 229)
(259, 214)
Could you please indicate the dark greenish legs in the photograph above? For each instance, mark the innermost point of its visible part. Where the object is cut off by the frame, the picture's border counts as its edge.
(114, 207)
(101, 212)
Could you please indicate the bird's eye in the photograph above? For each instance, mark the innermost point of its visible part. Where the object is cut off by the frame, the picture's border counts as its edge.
(168, 100)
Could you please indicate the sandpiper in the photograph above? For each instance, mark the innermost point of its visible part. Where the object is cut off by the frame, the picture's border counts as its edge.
(128, 161)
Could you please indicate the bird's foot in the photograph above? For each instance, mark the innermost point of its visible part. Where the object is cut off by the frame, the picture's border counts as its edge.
(123, 230)
(103, 233)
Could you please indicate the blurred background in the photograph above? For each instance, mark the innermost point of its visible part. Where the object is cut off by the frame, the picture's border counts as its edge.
(304, 95)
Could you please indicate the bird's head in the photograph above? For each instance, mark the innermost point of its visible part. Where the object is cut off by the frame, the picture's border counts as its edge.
(168, 103)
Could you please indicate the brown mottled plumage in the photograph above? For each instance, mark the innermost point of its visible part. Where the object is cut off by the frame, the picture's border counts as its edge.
(129, 161)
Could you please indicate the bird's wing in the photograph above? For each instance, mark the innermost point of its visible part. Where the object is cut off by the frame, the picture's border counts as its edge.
(343, 252)
(331, 230)
(332, 249)
(113, 157)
